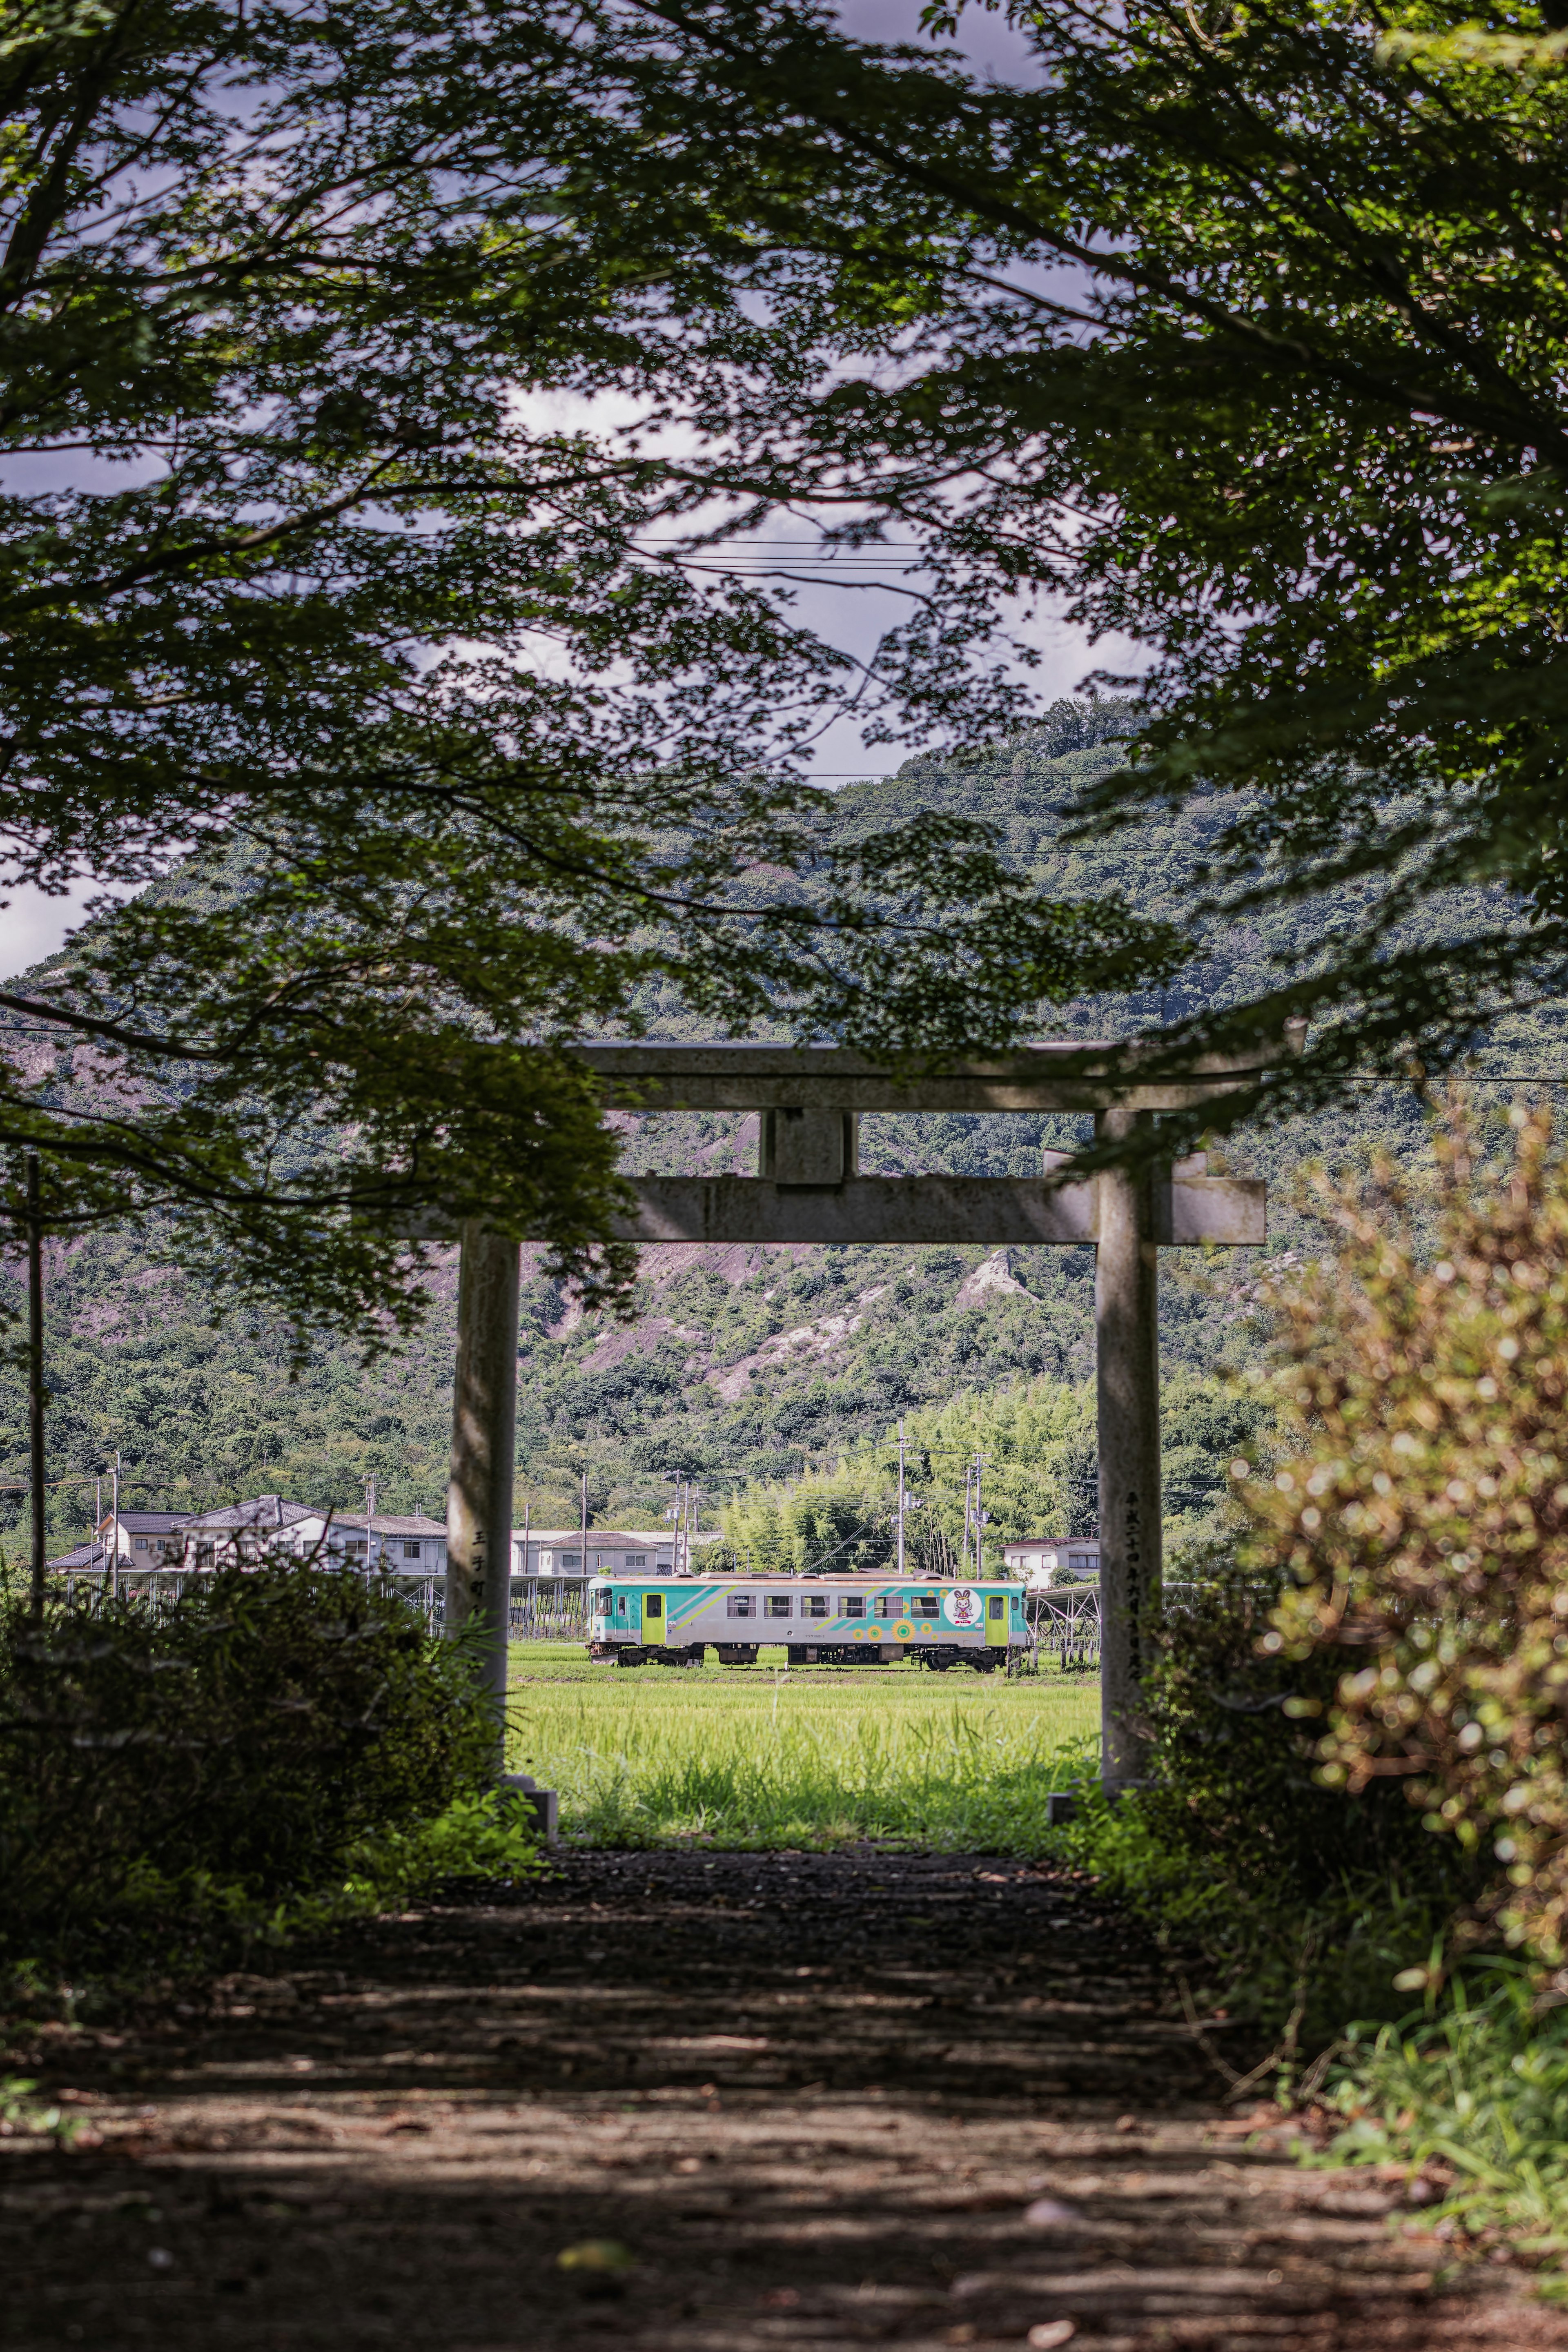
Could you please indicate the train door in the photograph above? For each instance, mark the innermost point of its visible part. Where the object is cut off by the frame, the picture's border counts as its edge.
(996, 1620)
(653, 1616)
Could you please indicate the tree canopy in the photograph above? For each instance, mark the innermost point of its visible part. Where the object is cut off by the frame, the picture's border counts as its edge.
(1238, 330)
(456, 744)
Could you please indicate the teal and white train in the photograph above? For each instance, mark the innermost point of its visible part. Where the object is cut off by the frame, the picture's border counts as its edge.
(813, 1620)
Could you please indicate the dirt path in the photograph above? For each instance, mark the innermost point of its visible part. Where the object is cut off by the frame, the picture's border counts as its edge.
(820, 2100)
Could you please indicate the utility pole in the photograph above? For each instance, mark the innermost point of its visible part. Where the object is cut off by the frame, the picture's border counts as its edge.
(36, 1378)
(979, 1523)
(369, 1523)
(696, 1530)
(900, 1498)
(585, 1527)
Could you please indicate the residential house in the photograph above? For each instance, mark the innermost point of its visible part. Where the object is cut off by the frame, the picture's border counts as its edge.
(145, 1538)
(557, 1561)
(554, 1552)
(1043, 1560)
(550, 1565)
(385, 1542)
(140, 1542)
(240, 1533)
(265, 1526)
(269, 1523)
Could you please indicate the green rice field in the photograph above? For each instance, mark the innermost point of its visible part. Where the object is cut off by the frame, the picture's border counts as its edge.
(770, 1757)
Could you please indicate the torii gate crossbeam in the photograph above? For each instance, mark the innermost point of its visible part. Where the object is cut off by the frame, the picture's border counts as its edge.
(809, 1189)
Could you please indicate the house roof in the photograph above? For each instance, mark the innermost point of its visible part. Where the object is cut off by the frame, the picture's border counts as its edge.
(88, 1555)
(574, 1535)
(385, 1523)
(149, 1523)
(635, 1538)
(262, 1511)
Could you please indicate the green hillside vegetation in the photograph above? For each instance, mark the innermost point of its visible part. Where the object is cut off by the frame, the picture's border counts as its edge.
(1036, 1440)
(745, 1364)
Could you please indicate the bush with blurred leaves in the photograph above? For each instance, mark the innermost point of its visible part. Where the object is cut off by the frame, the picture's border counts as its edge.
(1421, 1524)
(1295, 1905)
(205, 1768)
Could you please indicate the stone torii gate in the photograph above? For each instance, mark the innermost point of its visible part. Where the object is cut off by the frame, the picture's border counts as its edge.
(808, 1187)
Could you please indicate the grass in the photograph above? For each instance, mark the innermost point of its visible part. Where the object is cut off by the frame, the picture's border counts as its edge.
(1474, 2092)
(764, 1757)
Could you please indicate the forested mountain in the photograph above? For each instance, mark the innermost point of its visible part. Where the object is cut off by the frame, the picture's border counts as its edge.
(742, 1363)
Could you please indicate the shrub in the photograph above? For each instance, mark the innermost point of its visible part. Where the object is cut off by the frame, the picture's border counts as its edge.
(1293, 1900)
(251, 1745)
(1422, 1526)
(1236, 1778)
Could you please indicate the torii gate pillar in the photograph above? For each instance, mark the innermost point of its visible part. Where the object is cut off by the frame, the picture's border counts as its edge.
(1127, 1398)
(484, 1429)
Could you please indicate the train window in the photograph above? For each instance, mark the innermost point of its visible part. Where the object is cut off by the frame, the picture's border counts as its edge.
(601, 1596)
(742, 1604)
(852, 1604)
(998, 1607)
(888, 1604)
(653, 1605)
(814, 1604)
(925, 1604)
(778, 1604)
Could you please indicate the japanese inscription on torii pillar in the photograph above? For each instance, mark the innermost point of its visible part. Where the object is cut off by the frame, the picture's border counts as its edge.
(808, 1187)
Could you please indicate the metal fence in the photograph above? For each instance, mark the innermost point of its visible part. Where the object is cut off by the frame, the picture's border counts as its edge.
(560, 1618)
(156, 1591)
(547, 1616)
(1066, 1623)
